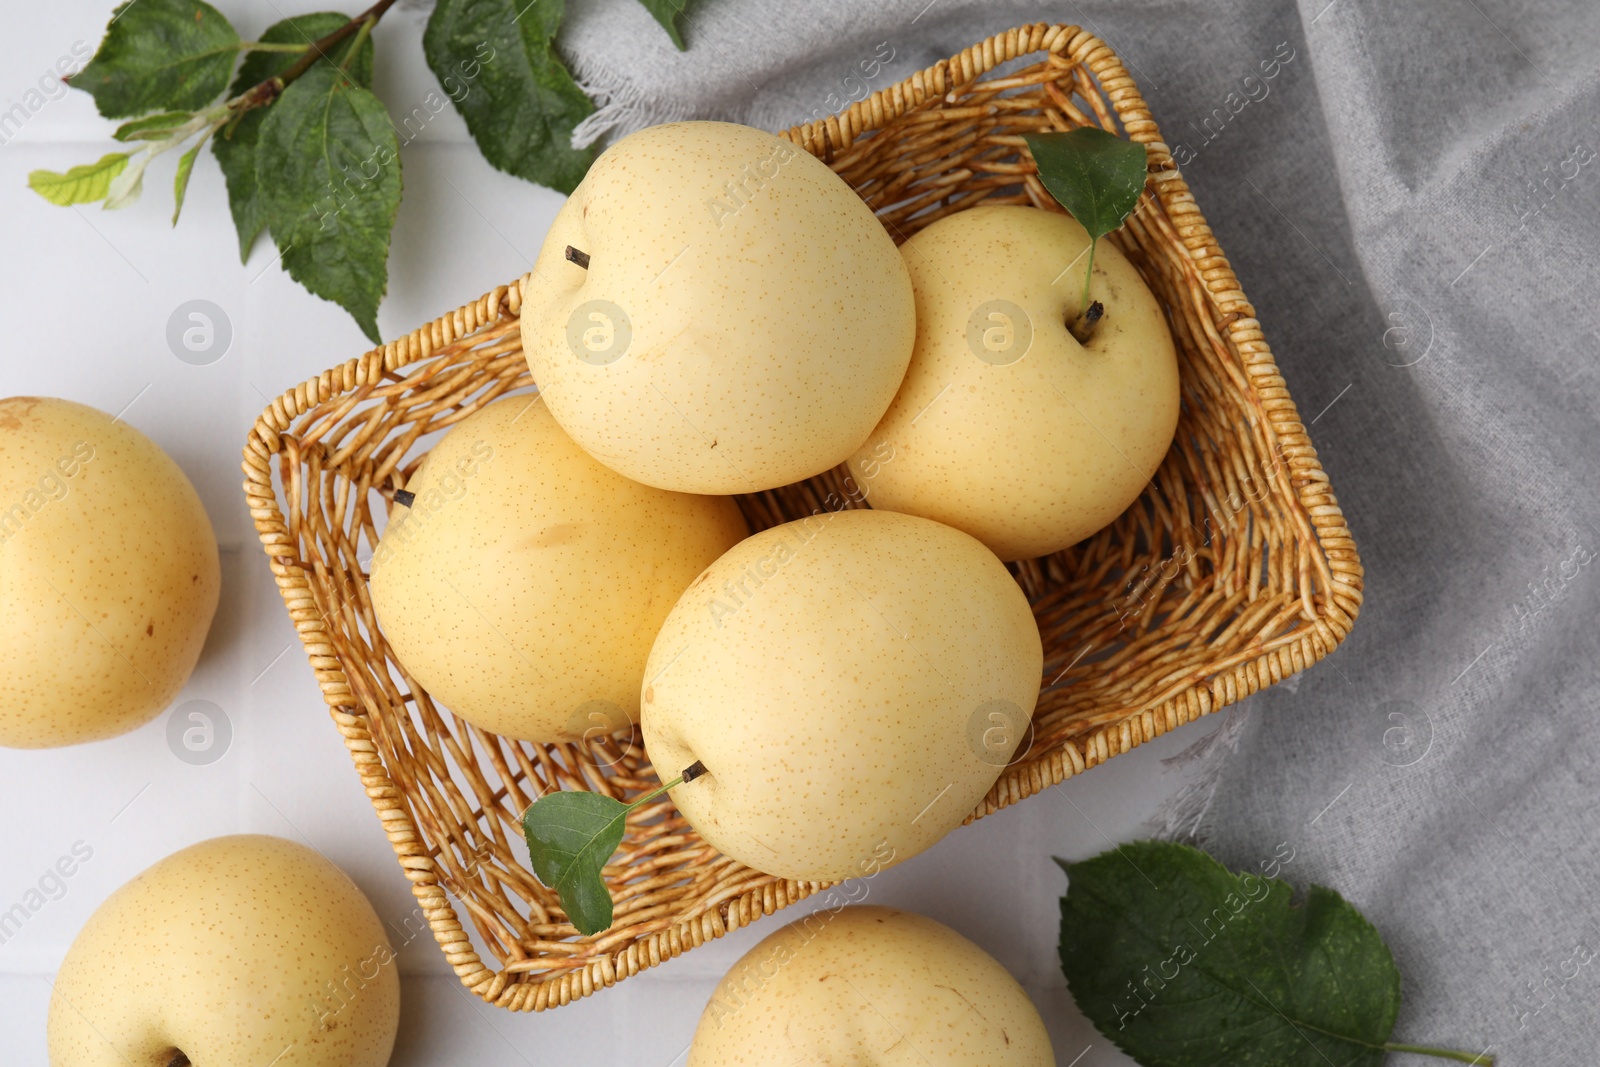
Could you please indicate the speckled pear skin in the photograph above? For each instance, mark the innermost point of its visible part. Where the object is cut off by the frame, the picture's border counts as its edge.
(1034, 455)
(108, 575)
(829, 674)
(525, 584)
(869, 987)
(771, 316)
(238, 951)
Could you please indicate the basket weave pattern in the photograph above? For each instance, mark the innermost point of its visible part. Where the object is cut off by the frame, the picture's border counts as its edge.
(1234, 570)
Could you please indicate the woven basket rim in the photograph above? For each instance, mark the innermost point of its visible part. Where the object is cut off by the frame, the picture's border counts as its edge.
(1338, 567)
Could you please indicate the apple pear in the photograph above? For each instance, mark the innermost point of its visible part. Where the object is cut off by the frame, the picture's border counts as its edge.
(238, 951)
(1006, 426)
(732, 317)
(108, 575)
(853, 684)
(524, 583)
(869, 985)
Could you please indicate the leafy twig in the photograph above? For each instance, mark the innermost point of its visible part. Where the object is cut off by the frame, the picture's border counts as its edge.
(325, 181)
(571, 835)
(268, 90)
(1098, 177)
(1176, 960)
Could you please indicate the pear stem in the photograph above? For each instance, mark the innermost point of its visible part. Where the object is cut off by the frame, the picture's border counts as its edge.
(1082, 328)
(690, 773)
(578, 256)
(1088, 275)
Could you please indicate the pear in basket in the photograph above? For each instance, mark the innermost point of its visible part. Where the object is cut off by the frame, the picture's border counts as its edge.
(851, 684)
(521, 583)
(715, 311)
(1008, 426)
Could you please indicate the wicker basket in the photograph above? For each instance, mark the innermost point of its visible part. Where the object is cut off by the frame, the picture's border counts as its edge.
(1233, 570)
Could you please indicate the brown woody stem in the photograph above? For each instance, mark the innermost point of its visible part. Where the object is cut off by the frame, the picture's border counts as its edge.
(578, 256)
(264, 93)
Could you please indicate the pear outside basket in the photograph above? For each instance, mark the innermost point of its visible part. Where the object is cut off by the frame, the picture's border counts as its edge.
(1234, 570)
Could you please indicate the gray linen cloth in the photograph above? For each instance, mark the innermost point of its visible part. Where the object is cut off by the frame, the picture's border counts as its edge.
(1413, 204)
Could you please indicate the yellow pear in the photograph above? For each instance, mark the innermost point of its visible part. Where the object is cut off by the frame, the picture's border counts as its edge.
(740, 319)
(869, 985)
(234, 952)
(525, 582)
(1006, 426)
(842, 679)
(108, 575)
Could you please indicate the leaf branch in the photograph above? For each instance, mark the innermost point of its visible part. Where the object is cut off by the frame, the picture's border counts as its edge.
(571, 835)
(265, 92)
(1150, 977)
(1098, 177)
(308, 151)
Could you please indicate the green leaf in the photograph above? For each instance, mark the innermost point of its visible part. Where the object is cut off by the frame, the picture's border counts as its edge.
(1093, 174)
(496, 61)
(82, 184)
(126, 187)
(570, 837)
(303, 30)
(180, 183)
(1097, 177)
(328, 178)
(152, 126)
(670, 14)
(171, 55)
(235, 148)
(1182, 964)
